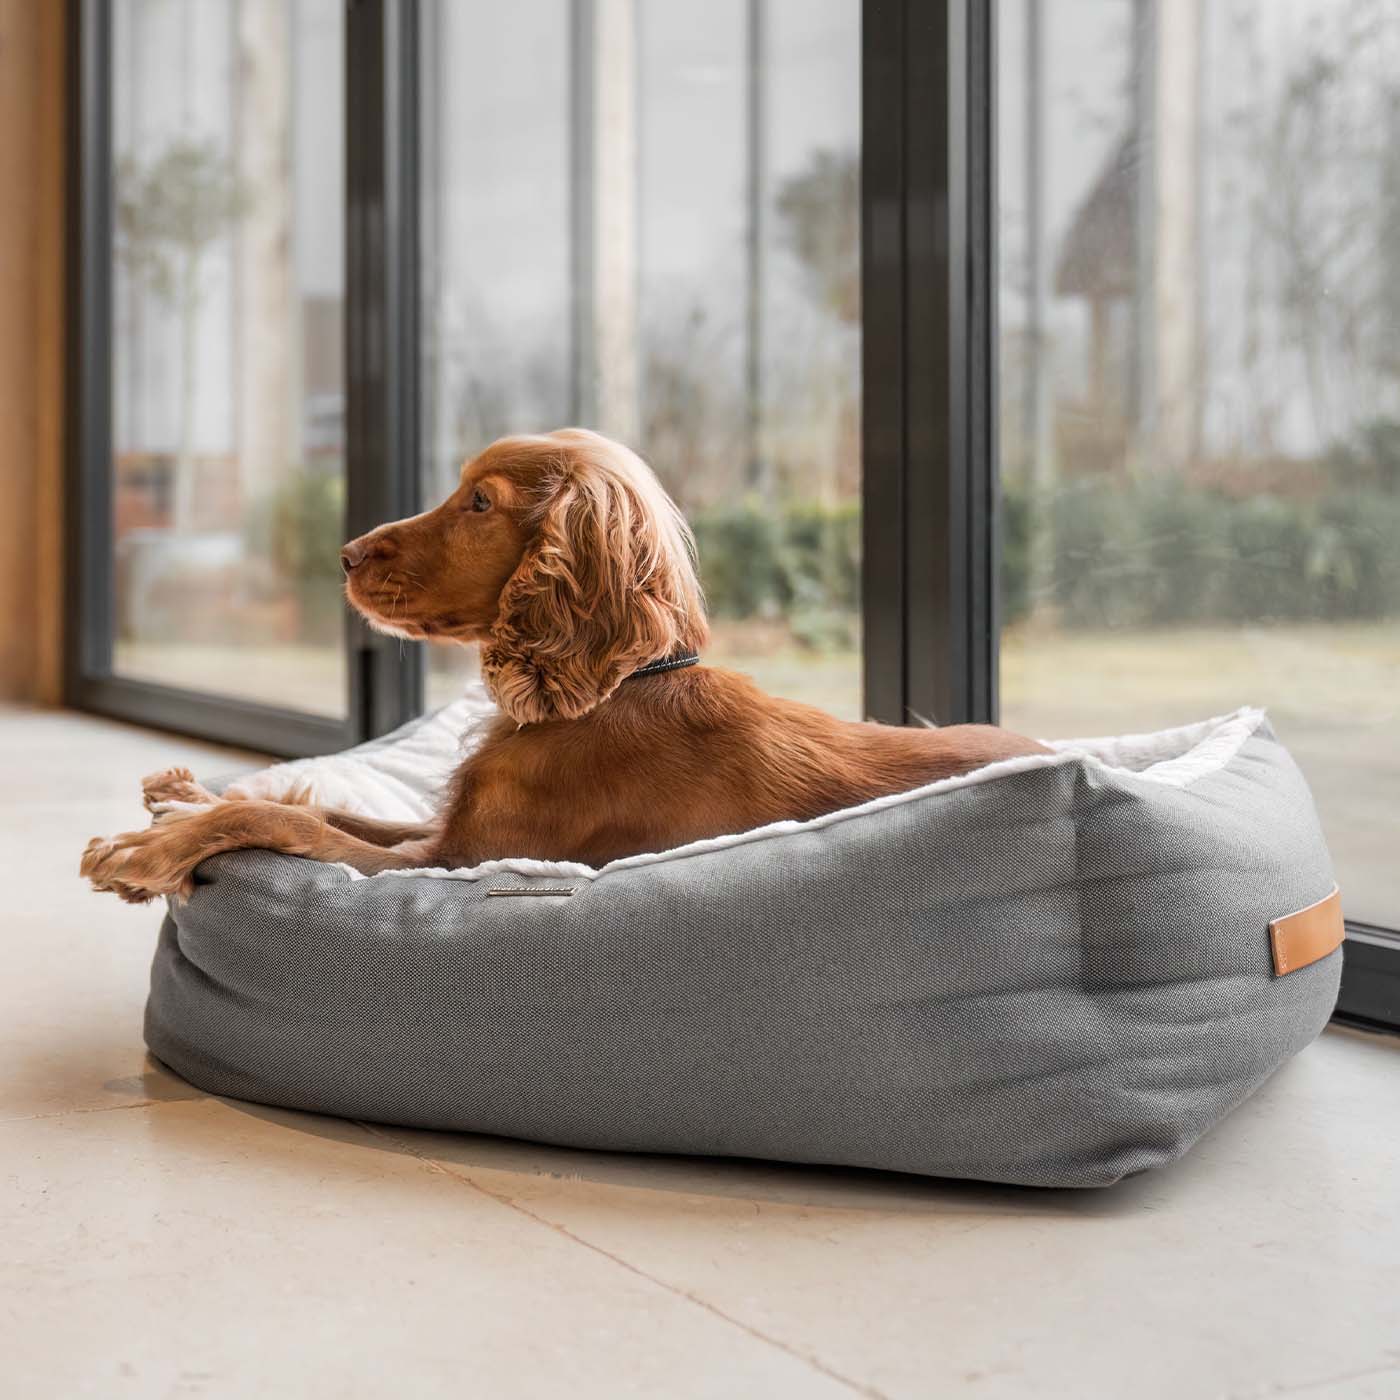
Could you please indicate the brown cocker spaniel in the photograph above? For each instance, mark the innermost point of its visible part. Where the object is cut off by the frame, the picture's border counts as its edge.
(565, 559)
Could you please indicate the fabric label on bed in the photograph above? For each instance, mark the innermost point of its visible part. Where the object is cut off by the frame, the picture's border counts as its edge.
(1307, 935)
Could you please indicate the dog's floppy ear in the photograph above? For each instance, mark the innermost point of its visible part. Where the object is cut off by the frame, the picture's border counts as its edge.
(607, 585)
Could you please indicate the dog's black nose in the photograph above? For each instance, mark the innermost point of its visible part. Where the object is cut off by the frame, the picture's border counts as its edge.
(352, 555)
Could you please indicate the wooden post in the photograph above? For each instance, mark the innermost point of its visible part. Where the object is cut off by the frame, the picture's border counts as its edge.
(32, 124)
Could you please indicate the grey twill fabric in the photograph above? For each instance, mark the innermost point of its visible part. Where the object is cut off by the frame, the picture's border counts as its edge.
(1058, 978)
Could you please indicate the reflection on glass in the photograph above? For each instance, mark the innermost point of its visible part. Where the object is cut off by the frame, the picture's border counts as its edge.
(227, 380)
(1200, 377)
(660, 239)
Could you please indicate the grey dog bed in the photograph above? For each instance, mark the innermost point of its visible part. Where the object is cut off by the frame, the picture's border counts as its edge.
(1055, 971)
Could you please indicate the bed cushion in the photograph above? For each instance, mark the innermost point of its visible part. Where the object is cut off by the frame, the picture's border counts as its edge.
(1056, 971)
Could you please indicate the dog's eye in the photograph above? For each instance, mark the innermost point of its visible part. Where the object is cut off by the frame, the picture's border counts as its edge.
(480, 501)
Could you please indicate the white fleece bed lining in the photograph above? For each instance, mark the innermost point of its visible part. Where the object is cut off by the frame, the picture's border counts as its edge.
(398, 782)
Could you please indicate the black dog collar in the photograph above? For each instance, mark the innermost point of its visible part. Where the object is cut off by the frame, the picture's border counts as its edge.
(667, 663)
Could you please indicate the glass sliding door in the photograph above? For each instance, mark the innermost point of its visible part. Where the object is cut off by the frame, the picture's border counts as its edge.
(227, 222)
(1200, 384)
(658, 237)
(496, 259)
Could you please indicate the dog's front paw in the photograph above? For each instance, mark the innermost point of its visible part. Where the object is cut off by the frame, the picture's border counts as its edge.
(100, 864)
(171, 786)
(136, 867)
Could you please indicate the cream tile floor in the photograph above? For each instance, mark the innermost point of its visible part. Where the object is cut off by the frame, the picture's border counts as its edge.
(158, 1242)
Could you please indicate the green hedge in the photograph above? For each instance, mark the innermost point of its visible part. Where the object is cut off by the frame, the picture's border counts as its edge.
(1165, 554)
(299, 528)
(801, 563)
(1120, 555)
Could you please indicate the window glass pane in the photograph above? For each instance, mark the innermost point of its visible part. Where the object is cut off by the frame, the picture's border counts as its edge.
(227, 375)
(1200, 379)
(497, 320)
(660, 240)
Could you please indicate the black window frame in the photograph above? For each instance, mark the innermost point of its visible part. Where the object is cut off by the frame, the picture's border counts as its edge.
(929, 389)
(89, 680)
(929, 275)
(1370, 992)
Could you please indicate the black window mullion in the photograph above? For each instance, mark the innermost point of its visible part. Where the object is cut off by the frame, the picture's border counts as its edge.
(381, 325)
(983, 621)
(88, 526)
(929, 391)
(937, 377)
(883, 446)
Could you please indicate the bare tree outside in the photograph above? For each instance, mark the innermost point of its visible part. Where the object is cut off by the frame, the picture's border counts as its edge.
(170, 212)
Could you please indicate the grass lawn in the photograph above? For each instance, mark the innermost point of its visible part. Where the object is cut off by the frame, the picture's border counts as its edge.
(1332, 692)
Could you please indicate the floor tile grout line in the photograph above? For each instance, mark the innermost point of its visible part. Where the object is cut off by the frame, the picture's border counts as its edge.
(100, 1108)
(1387, 1367)
(462, 1178)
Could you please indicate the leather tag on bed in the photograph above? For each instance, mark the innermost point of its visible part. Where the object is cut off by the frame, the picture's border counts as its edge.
(1307, 935)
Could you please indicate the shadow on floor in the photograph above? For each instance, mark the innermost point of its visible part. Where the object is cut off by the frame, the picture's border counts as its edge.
(776, 1183)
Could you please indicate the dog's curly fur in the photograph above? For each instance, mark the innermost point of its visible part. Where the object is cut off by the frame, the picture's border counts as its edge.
(565, 560)
(606, 585)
